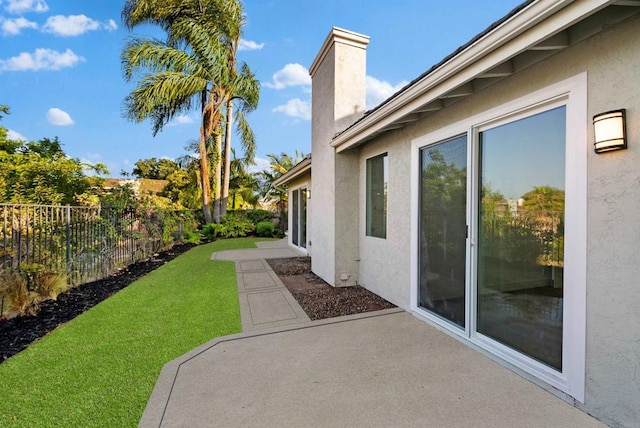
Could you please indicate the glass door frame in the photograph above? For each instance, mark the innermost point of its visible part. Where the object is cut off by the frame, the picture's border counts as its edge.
(572, 93)
(295, 219)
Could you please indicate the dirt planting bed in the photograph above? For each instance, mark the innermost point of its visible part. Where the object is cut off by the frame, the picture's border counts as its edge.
(320, 300)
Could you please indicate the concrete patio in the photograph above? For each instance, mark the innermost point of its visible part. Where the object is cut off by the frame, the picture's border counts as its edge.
(384, 368)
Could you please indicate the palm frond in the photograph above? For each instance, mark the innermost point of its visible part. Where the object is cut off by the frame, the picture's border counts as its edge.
(247, 137)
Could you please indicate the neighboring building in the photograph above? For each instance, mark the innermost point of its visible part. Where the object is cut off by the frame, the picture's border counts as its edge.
(140, 186)
(412, 199)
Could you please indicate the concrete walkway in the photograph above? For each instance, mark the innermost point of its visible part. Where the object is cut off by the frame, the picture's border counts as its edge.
(379, 369)
(264, 300)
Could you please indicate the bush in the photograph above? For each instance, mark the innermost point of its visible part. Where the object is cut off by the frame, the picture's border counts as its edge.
(258, 216)
(231, 227)
(191, 237)
(49, 283)
(265, 229)
(24, 291)
(13, 286)
(209, 231)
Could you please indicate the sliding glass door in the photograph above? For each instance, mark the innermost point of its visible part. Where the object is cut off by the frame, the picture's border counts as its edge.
(299, 217)
(443, 196)
(500, 249)
(521, 235)
(519, 264)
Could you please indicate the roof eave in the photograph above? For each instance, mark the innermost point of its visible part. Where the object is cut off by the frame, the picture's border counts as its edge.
(511, 37)
(295, 172)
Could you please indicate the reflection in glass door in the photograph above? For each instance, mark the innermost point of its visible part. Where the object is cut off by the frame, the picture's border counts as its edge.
(303, 217)
(521, 235)
(443, 229)
(299, 218)
(295, 223)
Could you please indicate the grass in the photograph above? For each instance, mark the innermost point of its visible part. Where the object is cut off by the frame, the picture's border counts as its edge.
(100, 368)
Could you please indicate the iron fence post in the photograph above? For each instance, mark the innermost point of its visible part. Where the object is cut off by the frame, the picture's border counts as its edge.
(68, 232)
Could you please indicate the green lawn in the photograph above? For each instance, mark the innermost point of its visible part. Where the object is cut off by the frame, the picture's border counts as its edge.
(99, 369)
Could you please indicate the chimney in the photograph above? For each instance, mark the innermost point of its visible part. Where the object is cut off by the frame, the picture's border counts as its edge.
(338, 100)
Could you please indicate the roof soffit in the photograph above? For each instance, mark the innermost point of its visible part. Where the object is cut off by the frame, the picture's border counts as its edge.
(487, 58)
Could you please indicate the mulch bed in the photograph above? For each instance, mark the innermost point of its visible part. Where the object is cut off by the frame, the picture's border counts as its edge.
(19, 332)
(317, 298)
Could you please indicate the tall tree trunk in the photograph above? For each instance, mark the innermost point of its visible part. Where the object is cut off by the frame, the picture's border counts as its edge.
(217, 215)
(205, 179)
(227, 157)
(205, 174)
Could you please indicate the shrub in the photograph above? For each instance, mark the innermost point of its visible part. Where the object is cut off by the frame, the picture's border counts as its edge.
(265, 229)
(24, 291)
(209, 231)
(258, 216)
(13, 286)
(49, 284)
(231, 227)
(191, 237)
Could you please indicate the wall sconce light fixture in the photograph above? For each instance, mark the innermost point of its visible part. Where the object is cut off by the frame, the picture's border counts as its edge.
(610, 131)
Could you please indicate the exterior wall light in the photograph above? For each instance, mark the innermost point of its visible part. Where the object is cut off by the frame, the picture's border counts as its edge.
(610, 131)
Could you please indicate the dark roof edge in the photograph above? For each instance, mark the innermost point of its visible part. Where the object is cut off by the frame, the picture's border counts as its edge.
(479, 36)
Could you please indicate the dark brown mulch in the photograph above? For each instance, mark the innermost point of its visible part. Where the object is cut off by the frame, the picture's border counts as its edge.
(19, 332)
(317, 298)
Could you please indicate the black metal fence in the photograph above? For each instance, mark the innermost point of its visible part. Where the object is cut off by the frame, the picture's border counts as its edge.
(86, 243)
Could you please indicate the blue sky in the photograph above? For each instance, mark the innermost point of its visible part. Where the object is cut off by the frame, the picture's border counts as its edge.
(60, 67)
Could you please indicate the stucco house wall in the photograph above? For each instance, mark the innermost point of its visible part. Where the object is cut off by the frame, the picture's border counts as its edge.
(385, 263)
(611, 60)
(338, 73)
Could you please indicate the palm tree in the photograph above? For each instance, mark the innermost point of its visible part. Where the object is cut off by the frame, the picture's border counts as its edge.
(242, 183)
(279, 165)
(242, 87)
(246, 91)
(183, 72)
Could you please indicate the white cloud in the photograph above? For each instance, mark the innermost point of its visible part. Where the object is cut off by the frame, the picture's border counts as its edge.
(58, 117)
(379, 90)
(41, 59)
(260, 165)
(290, 75)
(12, 27)
(181, 120)
(22, 6)
(16, 136)
(74, 25)
(296, 108)
(248, 45)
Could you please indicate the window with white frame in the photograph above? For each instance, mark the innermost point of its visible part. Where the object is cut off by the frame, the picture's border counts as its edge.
(377, 176)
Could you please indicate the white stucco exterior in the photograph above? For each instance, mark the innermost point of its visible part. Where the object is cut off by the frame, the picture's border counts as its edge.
(586, 55)
(338, 73)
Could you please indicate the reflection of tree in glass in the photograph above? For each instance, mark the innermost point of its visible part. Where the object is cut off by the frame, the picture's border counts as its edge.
(444, 197)
(544, 199)
(546, 205)
(533, 233)
(443, 232)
